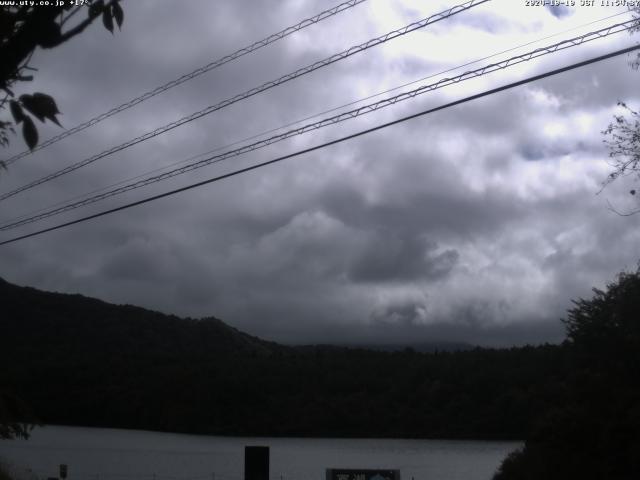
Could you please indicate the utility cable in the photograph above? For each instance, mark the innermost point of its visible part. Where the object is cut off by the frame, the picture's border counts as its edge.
(195, 73)
(372, 107)
(310, 117)
(327, 144)
(254, 91)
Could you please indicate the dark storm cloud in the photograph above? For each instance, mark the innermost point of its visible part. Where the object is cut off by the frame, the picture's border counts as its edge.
(533, 151)
(391, 258)
(559, 11)
(400, 315)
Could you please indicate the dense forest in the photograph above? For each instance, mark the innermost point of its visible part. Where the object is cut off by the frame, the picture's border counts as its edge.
(79, 361)
(594, 432)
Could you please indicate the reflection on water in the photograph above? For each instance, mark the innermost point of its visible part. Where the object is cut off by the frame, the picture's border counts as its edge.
(108, 454)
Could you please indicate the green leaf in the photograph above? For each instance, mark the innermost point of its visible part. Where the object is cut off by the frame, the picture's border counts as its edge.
(118, 14)
(47, 106)
(107, 20)
(31, 106)
(16, 111)
(29, 132)
(42, 106)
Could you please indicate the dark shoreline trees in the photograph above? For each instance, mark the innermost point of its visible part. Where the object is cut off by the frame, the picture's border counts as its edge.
(16, 418)
(79, 361)
(595, 432)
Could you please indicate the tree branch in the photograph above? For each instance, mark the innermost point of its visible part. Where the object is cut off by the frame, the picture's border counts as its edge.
(68, 17)
(74, 31)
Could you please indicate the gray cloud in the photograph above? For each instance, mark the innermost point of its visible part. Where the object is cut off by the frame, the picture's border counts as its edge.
(391, 258)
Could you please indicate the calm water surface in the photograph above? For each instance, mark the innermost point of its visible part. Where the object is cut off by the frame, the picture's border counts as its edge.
(108, 454)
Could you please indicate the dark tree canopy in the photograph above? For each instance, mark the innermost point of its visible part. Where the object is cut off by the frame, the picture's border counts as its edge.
(23, 28)
(594, 433)
(16, 419)
(611, 318)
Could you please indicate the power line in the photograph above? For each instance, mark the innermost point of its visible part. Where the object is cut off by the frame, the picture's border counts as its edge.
(327, 144)
(329, 121)
(195, 73)
(254, 91)
(295, 122)
(372, 107)
(315, 115)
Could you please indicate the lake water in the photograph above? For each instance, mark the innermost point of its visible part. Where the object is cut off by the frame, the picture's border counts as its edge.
(109, 454)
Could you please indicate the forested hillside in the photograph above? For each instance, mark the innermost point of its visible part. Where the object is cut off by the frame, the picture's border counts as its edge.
(80, 361)
(594, 432)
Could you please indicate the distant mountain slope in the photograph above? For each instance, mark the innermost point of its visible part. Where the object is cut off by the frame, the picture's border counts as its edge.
(81, 361)
(421, 347)
(74, 323)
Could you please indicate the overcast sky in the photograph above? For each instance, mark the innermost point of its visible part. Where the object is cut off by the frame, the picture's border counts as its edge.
(478, 223)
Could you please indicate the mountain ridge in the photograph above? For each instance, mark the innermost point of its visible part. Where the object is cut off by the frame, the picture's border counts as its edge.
(80, 361)
(65, 308)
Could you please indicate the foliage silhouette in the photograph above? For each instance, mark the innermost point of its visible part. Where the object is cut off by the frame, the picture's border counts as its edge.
(23, 28)
(623, 135)
(595, 432)
(16, 419)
